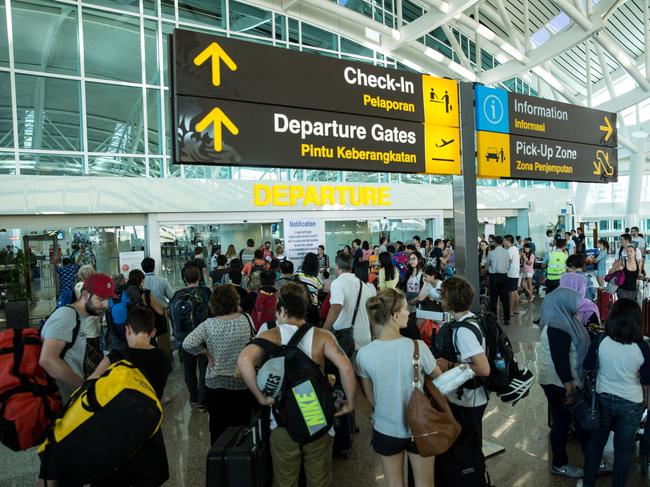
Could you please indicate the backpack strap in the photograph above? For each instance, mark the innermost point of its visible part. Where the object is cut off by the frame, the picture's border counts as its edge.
(250, 325)
(75, 333)
(356, 306)
(299, 335)
(462, 324)
(269, 347)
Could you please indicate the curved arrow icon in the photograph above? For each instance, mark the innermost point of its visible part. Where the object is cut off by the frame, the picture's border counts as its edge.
(218, 118)
(607, 128)
(215, 52)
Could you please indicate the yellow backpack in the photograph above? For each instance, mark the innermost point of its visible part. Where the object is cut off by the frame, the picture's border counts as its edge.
(105, 423)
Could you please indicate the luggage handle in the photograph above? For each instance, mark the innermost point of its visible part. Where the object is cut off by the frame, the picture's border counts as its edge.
(91, 404)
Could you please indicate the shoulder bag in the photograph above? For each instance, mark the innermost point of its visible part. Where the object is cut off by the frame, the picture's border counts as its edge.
(614, 280)
(585, 410)
(345, 337)
(433, 426)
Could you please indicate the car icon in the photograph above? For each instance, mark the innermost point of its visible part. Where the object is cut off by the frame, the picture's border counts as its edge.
(492, 153)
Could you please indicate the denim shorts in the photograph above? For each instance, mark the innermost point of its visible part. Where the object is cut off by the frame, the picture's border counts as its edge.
(388, 445)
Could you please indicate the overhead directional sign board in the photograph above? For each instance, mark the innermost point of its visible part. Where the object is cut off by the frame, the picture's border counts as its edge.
(239, 103)
(523, 137)
(239, 133)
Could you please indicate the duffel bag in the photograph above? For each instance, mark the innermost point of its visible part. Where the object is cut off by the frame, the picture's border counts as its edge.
(29, 398)
(105, 423)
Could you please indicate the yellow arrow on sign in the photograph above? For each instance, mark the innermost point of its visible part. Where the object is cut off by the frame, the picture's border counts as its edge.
(215, 52)
(607, 128)
(602, 165)
(218, 118)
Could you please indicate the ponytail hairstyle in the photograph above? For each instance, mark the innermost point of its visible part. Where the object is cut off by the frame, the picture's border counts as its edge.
(382, 307)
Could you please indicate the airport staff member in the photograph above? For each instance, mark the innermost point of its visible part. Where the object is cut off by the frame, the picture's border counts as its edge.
(555, 265)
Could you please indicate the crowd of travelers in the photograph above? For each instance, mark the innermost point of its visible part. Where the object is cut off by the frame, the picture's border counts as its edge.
(353, 323)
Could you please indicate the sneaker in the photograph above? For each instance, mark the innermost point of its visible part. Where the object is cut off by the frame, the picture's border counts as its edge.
(568, 471)
(604, 469)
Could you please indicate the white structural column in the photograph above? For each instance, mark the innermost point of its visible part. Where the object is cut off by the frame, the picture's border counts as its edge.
(637, 165)
(153, 239)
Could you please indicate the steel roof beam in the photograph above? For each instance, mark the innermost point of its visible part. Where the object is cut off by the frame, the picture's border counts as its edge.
(428, 22)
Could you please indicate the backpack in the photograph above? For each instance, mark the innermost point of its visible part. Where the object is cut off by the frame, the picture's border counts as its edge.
(496, 341)
(188, 308)
(401, 262)
(120, 398)
(118, 312)
(305, 405)
(264, 310)
(29, 398)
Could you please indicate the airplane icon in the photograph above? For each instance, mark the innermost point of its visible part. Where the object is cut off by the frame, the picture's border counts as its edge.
(444, 143)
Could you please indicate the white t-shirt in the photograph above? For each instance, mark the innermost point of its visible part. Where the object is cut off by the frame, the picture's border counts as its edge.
(618, 370)
(433, 291)
(549, 244)
(513, 270)
(344, 291)
(639, 243)
(388, 364)
(571, 246)
(468, 347)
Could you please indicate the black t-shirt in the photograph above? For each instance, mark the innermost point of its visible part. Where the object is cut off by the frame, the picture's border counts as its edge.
(153, 363)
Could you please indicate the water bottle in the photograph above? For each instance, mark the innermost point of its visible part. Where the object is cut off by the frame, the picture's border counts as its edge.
(500, 362)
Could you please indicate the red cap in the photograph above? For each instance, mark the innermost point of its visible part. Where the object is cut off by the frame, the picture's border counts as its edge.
(101, 285)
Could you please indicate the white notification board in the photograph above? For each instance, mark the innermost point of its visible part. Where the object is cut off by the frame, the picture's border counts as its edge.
(301, 236)
(130, 261)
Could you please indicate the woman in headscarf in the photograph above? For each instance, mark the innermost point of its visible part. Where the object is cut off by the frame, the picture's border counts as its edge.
(564, 346)
(588, 313)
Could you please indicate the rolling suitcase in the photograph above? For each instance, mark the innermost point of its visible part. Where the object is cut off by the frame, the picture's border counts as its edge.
(605, 303)
(241, 457)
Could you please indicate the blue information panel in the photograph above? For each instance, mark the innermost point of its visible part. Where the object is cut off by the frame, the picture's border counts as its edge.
(492, 110)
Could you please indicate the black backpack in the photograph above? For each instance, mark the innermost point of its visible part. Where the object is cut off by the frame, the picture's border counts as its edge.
(188, 308)
(305, 406)
(496, 341)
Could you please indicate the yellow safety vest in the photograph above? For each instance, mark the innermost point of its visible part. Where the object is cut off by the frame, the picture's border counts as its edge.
(556, 265)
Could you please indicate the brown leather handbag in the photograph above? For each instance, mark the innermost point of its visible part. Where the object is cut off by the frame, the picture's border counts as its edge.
(432, 423)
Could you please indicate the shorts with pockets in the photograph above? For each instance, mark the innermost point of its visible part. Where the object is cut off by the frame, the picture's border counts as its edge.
(388, 445)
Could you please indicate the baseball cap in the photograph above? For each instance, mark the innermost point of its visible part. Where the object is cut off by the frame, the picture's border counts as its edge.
(270, 377)
(101, 285)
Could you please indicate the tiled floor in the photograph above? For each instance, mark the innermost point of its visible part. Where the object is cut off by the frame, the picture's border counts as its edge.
(520, 429)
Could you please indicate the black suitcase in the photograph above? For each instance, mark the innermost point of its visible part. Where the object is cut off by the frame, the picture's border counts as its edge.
(240, 458)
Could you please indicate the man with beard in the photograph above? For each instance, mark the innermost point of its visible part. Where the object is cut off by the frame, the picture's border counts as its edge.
(64, 343)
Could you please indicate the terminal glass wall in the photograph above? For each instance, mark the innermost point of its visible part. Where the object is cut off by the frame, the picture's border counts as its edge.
(109, 116)
(101, 246)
